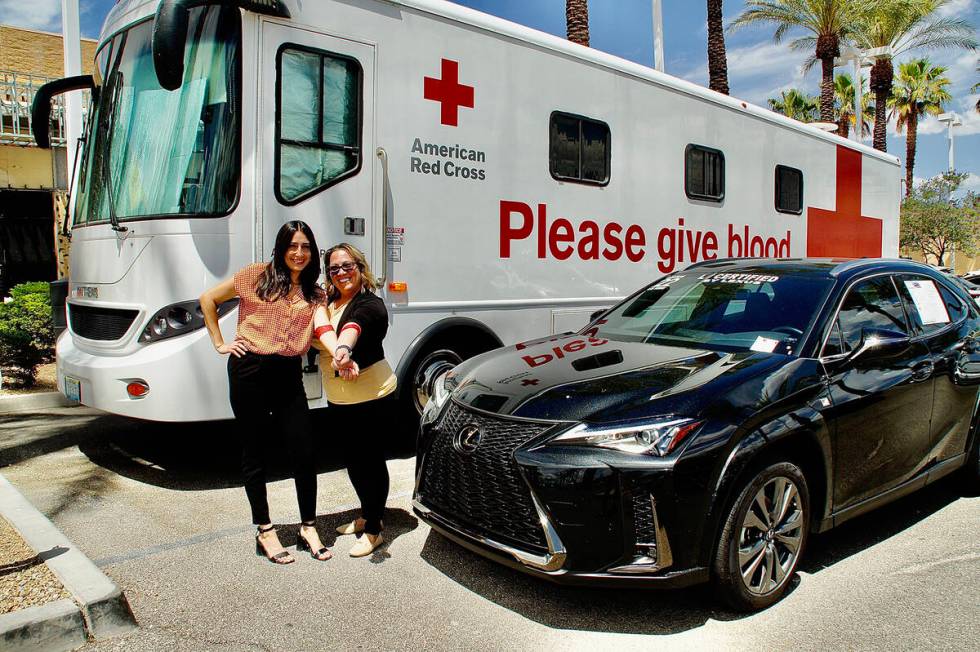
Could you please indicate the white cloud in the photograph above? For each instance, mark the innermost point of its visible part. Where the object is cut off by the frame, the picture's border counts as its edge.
(971, 183)
(754, 69)
(966, 109)
(36, 14)
(961, 71)
(956, 9)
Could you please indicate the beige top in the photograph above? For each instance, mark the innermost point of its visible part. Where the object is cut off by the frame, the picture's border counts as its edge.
(280, 327)
(372, 383)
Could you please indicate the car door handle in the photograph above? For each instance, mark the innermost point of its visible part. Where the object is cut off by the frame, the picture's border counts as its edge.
(923, 371)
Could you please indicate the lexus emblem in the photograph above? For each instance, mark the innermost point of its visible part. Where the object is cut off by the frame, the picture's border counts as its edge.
(467, 439)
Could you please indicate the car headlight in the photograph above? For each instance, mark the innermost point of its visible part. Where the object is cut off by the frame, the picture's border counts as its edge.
(658, 438)
(441, 389)
(179, 319)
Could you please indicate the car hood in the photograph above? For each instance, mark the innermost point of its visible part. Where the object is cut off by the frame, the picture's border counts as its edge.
(581, 378)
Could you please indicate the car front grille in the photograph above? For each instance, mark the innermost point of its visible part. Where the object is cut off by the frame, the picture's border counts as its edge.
(483, 490)
(100, 323)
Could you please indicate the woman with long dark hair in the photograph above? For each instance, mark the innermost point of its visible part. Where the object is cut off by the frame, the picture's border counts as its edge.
(275, 323)
(352, 327)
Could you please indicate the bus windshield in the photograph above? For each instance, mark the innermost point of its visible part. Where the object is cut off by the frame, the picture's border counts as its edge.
(151, 152)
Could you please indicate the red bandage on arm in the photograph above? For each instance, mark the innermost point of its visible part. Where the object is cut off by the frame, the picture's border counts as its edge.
(320, 330)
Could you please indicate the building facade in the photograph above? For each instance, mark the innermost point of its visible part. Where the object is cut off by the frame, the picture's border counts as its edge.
(33, 181)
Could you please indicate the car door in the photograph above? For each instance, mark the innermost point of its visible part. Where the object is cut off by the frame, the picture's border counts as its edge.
(941, 320)
(881, 398)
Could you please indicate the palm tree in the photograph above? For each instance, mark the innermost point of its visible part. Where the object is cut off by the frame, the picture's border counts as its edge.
(903, 25)
(795, 104)
(717, 57)
(577, 21)
(844, 99)
(921, 88)
(829, 22)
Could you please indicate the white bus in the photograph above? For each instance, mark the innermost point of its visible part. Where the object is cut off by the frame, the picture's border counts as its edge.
(504, 183)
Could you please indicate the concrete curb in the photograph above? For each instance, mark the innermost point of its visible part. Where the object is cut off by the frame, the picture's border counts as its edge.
(53, 626)
(39, 401)
(102, 607)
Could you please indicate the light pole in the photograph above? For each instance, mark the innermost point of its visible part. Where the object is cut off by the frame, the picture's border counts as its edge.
(658, 36)
(859, 59)
(951, 120)
(70, 35)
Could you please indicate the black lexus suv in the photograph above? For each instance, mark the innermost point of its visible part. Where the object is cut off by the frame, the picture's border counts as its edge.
(701, 428)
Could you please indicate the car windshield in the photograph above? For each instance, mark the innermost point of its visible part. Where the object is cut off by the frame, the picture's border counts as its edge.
(750, 309)
(154, 152)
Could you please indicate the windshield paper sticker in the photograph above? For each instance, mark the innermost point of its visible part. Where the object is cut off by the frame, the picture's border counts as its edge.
(764, 344)
(928, 302)
(747, 279)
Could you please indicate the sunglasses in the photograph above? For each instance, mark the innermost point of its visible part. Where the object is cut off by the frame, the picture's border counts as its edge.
(334, 270)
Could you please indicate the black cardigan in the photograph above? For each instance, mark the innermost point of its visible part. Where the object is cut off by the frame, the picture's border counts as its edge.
(368, 311)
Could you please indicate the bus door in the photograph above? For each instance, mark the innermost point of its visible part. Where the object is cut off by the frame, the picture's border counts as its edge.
(316, 139)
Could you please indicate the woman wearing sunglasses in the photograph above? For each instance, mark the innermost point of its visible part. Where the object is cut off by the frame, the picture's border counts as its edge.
(359, 384)
(275, 320)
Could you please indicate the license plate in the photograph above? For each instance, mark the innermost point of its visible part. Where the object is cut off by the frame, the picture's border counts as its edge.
(73, 389)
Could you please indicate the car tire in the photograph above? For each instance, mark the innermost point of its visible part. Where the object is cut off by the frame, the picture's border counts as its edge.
(971, 470)
(762, 540)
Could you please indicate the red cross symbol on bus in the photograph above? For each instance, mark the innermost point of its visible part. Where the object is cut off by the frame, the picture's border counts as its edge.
(844, 232)
(449, 92)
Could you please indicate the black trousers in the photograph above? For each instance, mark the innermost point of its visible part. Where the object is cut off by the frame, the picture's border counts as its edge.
(269, 403)
(362, 428)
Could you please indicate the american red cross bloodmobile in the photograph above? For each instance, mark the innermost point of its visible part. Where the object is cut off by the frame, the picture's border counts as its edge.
(504, 183)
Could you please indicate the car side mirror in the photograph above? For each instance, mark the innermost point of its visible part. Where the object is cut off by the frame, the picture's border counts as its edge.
(598, 313)
(879, 341)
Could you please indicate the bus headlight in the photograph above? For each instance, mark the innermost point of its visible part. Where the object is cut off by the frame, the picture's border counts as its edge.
(179, 319)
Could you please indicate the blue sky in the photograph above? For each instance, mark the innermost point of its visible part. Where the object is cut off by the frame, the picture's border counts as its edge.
(758, 69)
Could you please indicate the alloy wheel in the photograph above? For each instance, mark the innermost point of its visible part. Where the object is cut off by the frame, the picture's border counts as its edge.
(770, 536)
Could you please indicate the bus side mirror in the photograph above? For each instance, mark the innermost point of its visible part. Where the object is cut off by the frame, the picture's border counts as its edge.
(170, 32)
(41, 106)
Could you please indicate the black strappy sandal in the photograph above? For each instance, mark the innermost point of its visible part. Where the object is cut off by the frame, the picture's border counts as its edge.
(303, 544)
(280, 558)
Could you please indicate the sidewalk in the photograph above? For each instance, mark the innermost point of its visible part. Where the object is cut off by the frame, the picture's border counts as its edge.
(97, 608)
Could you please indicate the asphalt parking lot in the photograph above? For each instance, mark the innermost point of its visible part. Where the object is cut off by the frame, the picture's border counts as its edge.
(158, 507)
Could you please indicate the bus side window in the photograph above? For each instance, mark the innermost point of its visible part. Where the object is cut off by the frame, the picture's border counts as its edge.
(704, 173)
(578, 149)
(318, 121)
(789, 190)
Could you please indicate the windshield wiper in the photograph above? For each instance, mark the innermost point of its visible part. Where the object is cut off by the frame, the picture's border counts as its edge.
(107, 151)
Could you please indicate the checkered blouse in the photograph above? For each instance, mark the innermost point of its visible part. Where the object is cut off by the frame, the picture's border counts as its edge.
(280, 327)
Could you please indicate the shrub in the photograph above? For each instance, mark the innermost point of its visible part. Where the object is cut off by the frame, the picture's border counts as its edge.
(26, 331)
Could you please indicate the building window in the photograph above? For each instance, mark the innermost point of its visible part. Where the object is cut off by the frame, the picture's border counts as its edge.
(704, 173)
(579, 149)
(318, 121)
(789, 190)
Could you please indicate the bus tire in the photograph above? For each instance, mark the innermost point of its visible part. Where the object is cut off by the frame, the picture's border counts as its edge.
(437, 357)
